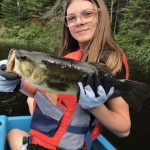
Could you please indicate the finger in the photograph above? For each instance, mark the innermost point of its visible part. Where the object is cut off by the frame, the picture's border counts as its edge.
(89, 92)
(89, 79)
(98, 78)
(81, 87)
(92, 82)
(8, 76)
(3, 67)
(101, 92)
(108, 83)
(111, 91)
(84, 79)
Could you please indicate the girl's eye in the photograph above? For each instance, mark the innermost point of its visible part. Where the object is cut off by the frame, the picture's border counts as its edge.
(71, 18)
(88, 14)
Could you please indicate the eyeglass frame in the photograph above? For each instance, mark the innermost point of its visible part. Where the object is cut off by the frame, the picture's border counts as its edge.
(94, 13)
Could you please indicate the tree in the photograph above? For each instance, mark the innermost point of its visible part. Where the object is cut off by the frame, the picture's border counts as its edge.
(10, 12)
(0, 9)
(134, 37)
(18, 12)
(135, 25)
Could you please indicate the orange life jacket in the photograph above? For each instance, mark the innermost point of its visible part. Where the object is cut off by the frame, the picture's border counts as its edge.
(65, 125)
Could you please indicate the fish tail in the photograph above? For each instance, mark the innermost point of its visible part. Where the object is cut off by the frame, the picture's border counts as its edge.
(133, 92)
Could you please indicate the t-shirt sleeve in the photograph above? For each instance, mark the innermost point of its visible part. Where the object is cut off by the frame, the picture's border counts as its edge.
(122, 73)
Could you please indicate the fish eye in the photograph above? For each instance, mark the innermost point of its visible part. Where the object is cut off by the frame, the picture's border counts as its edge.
(24, 57)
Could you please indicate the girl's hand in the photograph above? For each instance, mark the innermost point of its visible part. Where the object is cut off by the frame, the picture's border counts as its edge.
(95, 89)
(9, 81)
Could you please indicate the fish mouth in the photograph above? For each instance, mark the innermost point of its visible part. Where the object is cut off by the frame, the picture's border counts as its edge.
(11, 61)
(15, 58)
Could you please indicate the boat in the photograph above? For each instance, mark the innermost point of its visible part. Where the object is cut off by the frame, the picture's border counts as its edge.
(23, 123)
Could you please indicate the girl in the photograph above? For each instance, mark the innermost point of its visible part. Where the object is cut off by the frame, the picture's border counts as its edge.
(86, 37)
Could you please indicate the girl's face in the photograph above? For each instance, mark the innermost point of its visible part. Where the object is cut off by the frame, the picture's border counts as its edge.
(82, 19)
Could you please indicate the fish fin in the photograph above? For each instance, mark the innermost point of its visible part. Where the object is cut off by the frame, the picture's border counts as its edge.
(101, 67)
(133, 92)
(59, 86)
(68, 59)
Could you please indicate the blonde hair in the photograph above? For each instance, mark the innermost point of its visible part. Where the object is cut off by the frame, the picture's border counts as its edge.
(102, 38)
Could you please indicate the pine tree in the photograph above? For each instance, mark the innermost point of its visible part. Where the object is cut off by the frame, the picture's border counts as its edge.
(134, 37)
(10, 12)
(19, 12)
(134, 28)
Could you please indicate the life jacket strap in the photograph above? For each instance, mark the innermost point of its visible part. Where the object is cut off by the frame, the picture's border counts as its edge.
(26, 140)
(82, 130)
(88, 140)
(77, 130)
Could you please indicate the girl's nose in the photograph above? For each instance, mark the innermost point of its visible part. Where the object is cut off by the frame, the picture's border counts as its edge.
(79, 21)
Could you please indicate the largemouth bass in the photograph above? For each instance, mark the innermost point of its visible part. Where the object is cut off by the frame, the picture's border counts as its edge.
(60, 75)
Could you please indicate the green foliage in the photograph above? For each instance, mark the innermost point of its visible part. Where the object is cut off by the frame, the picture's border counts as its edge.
(19, 12)
(29, 33)
(134, 37)
(134, 27)
(32, 8)
(8, 14)
(139, 63)
(12, 32)
(146, 42)
(20, 28)
(2, 30)
(47, 39)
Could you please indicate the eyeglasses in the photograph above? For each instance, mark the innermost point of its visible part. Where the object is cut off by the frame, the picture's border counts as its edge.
(86, 16)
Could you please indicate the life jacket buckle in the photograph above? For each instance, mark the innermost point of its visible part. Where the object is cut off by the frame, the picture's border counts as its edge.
(26, 140)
